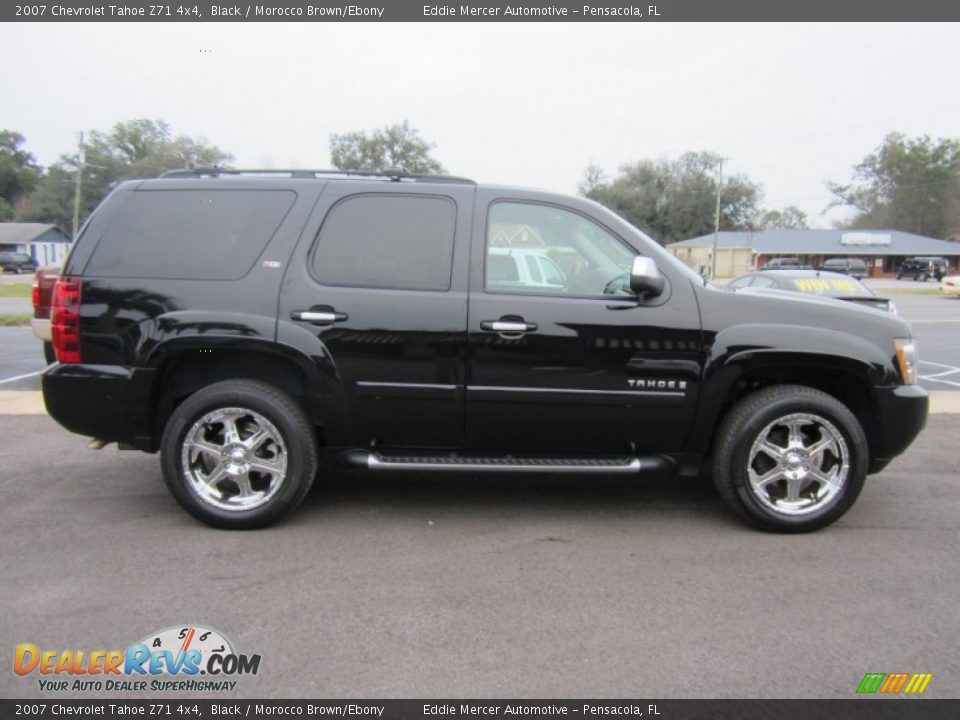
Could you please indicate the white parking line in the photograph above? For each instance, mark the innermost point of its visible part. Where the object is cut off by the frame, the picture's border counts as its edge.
(937, 377)
(20, 377)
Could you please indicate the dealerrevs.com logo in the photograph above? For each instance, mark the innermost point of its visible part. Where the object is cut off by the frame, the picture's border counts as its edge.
(184, 658)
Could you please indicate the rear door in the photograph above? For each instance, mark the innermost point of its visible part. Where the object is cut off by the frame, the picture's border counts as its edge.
(379, 283)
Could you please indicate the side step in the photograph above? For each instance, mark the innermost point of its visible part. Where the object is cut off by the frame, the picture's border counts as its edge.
(380, 460)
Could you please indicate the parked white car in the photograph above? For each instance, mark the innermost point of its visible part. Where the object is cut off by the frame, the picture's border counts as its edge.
(950, 284)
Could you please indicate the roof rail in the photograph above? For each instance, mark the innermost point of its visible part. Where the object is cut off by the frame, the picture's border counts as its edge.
(392, 174)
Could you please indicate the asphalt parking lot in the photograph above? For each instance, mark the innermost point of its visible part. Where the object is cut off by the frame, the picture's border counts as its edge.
(413, 586)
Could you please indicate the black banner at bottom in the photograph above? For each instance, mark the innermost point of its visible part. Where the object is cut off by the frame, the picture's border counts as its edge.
(853, 709)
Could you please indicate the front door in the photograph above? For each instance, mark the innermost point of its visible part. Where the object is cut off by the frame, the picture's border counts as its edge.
(563, 357)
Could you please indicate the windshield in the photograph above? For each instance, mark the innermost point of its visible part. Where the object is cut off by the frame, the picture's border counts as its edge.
(830, 287)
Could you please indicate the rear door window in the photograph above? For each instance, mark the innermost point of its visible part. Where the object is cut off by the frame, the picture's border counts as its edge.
(400, 242)
(189, 234)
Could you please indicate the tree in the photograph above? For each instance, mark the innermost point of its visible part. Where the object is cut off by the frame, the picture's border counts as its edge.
(790, 217)
(139, 148)
(395, 146)
(906, 184)
(18, 172)
(676, 199)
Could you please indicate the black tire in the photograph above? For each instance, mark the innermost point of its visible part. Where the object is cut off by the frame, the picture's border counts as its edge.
(744, 424)
(278, 408)
(899, 275)
(48, 353)
(922, 277)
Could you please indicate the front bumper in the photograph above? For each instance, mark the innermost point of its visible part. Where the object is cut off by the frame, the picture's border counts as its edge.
(902, 414)
(102, 401)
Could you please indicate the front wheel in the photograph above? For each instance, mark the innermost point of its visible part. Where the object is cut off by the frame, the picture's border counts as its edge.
(922, 277)
(239, 454)
(790, 459)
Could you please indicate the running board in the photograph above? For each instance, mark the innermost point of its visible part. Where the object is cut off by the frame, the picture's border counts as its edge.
(627, 465)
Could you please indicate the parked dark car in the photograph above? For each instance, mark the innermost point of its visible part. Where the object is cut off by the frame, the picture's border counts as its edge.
(814, 282)
(254, 327)
(784, 263)
(854, 267)
(17, 263)
(922, 268)
(43, 282)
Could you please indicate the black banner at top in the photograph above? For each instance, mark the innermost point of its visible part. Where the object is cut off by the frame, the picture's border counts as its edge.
(479, 11)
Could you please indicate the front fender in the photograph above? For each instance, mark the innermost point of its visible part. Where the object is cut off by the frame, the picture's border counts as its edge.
(756, 350)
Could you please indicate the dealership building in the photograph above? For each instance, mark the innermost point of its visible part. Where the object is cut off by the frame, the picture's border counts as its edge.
(883, 250)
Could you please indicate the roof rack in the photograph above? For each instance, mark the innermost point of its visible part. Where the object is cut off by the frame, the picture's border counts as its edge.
(392, 174)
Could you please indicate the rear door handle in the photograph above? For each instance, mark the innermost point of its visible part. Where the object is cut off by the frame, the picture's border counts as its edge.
(318, 315)
(510, 327)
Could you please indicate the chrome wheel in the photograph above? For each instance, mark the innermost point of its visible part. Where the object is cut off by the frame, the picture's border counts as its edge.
(798, 464)
(234, 458)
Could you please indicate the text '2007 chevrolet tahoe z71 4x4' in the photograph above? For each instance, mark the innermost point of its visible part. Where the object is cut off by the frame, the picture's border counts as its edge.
(249, 325)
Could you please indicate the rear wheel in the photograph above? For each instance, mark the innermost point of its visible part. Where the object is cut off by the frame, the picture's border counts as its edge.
(922, 277)
(48, 353)
(790, 459)
(239, 454)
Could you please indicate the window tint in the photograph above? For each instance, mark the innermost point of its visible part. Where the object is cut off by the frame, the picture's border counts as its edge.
(388, 241)
(575, 256)
(190, 234)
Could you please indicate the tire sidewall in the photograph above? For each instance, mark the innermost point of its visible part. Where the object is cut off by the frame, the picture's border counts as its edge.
(840, 418)
(299, 469)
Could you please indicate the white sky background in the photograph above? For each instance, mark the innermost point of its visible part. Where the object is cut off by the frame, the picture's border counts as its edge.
(513, 103)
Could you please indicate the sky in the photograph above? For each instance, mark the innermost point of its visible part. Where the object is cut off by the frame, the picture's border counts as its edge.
(530, 104)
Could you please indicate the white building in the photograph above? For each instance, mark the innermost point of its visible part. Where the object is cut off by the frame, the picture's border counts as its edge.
(46, 244)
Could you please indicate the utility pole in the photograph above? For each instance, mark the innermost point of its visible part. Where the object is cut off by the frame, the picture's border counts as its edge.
(716, 222)
(78, 185)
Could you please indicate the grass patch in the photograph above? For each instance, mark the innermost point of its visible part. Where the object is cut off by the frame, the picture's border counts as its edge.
(16, 290)
(15, 320)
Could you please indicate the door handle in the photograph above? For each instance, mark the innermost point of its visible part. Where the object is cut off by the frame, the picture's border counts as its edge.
(510, 327)
(318, 316)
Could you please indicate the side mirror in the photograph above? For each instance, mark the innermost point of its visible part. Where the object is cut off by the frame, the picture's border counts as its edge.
(645, 279)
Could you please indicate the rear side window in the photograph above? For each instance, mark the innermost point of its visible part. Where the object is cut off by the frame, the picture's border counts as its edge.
(387, 241)
(189, 234)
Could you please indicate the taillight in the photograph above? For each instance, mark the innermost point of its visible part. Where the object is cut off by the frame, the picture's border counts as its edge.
(36, 297)
(65, 319)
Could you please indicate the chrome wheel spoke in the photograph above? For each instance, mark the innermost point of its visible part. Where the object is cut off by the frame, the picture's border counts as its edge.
(774, 452)
(267, 465)
(794, 488)
(205, 446)
(257, 439)
(824, 443)
(215, 476)
(761, 481)
(231, 435)
(795, 435)
(243, 485)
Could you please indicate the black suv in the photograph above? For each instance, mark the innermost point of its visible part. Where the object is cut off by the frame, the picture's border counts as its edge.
(17, 263)
(252, 326)
(922, 268)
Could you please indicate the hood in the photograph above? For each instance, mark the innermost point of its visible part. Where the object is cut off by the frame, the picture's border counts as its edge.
(785, 307)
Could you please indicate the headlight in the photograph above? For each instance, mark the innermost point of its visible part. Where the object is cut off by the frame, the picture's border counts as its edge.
(892, 308)
(907, 359)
